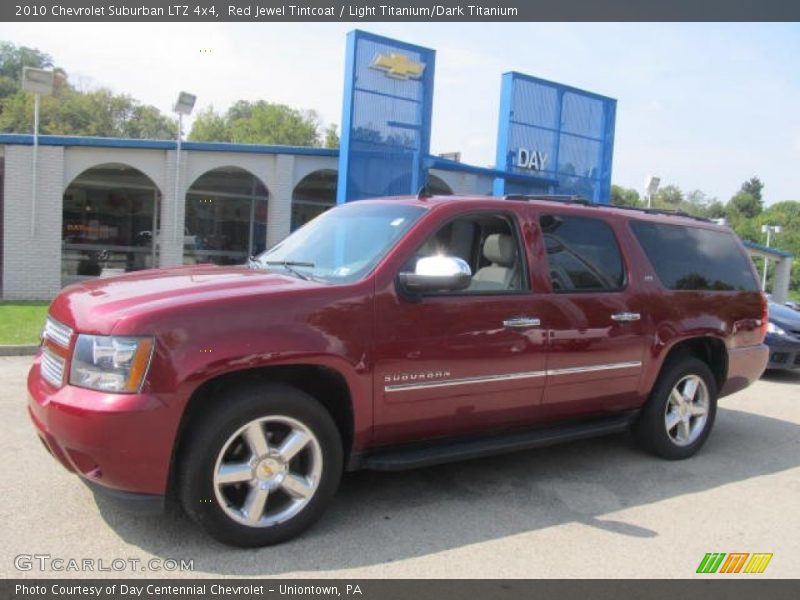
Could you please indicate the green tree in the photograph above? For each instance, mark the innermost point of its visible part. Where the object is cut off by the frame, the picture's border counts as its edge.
(147, 122)
(331, 136)
(258, 122)
(715, 210)
(12, 60)
(788, 210)
(669, 196)
(754, 186)
(744, 204)
(672, 198)
(698, 203)
(697, 198)
(748, 202)
(96, 113)
(787, 215)
(68, 111)
(210, 126)
(622, 196)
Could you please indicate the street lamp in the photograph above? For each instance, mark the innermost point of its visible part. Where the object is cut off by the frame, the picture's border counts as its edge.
(37, 82)
(183, 106)
(769, 230)
(651, 187)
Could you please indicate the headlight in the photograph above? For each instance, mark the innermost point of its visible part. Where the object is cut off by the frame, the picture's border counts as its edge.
(774, 329)
(110, 363)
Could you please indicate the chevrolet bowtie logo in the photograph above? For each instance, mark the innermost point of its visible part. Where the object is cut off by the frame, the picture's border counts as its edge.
(398, 66)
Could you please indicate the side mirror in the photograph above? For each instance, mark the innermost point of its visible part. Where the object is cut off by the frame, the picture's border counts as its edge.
(437, 274)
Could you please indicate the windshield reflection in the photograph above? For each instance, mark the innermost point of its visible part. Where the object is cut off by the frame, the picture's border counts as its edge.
(343, 244)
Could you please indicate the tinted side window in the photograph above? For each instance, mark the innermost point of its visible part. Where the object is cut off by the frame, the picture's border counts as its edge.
(692, 258)
(582, 254)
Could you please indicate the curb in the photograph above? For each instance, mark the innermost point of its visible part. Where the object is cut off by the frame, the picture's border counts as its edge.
(18, 350)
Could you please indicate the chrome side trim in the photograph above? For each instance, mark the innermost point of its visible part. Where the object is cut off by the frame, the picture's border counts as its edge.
(403, 387)
(592, 368)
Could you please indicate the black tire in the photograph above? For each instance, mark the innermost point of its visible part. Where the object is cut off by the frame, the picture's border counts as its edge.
(238, 408)
(650, 430)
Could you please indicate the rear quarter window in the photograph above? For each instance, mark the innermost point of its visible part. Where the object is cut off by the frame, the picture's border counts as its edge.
(693, 258)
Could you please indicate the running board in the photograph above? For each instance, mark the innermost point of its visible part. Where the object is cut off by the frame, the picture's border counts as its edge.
(412, 457)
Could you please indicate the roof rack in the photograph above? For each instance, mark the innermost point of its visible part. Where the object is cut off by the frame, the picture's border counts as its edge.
(567, 199)
(660, 211)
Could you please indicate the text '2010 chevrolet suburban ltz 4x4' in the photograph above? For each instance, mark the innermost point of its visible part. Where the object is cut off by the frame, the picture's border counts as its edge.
(388, 334)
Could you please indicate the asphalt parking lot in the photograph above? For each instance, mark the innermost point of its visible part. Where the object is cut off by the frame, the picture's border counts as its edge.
(598, 508)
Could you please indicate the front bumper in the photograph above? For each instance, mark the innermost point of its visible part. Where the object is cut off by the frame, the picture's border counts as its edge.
(119, 441)
(783, 353)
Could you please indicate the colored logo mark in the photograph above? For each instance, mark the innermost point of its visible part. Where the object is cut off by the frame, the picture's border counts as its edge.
(734, 562)
(398, 66)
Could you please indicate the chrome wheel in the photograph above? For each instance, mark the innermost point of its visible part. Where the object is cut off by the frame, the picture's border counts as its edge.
(686, 411)
(268, 471)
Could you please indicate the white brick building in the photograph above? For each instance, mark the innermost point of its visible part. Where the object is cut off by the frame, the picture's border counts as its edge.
(98, 202)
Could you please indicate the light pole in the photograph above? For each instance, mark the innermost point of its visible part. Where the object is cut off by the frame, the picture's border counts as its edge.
(769, 230)
(37, 82)
(183, 106)
(651, 187)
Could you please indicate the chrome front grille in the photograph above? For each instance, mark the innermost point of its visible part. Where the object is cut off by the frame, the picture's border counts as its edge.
(57, 332)
(52, 368)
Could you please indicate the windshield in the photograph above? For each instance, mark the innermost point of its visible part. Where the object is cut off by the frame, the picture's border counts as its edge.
(343, 244)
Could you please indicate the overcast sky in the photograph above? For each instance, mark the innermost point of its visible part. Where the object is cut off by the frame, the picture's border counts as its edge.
(702, 105)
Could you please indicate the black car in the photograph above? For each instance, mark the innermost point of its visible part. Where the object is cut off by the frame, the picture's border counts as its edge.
(783, 337)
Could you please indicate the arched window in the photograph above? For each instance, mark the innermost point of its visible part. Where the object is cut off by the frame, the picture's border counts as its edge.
(312, 196)
(226, 217)
(437, 186)
(109, 215)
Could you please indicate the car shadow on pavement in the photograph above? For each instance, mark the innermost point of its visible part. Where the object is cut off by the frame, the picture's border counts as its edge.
(782, 376)
(377, 518)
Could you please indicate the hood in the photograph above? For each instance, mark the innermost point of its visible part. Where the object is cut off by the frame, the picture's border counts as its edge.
(787, 318)
(95, 306)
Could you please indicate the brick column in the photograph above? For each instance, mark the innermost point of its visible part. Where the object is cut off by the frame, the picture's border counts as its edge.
(780, 285)
(279, 210)
(32, 261)
(171, 229)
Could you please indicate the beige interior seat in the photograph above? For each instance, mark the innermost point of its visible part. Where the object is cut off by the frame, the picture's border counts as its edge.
(501, 274)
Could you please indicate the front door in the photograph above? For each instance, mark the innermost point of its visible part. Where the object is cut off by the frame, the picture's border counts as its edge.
(452, 363)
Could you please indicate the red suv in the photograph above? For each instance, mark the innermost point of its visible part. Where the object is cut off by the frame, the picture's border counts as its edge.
(389, 334)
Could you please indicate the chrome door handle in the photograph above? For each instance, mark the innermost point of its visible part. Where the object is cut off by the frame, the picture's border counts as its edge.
(625, 317)
(521, 322)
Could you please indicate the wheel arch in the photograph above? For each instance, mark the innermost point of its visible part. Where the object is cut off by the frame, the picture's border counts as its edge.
(326, 384)
(710, 349)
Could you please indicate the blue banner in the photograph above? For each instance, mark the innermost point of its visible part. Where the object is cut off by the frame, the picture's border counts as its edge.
(552, 131)
(386, 117)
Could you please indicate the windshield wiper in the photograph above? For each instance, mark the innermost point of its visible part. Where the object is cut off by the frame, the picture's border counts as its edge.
(289, 264)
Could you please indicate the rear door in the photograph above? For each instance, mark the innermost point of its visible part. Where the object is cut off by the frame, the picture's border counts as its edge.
(598, 328)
